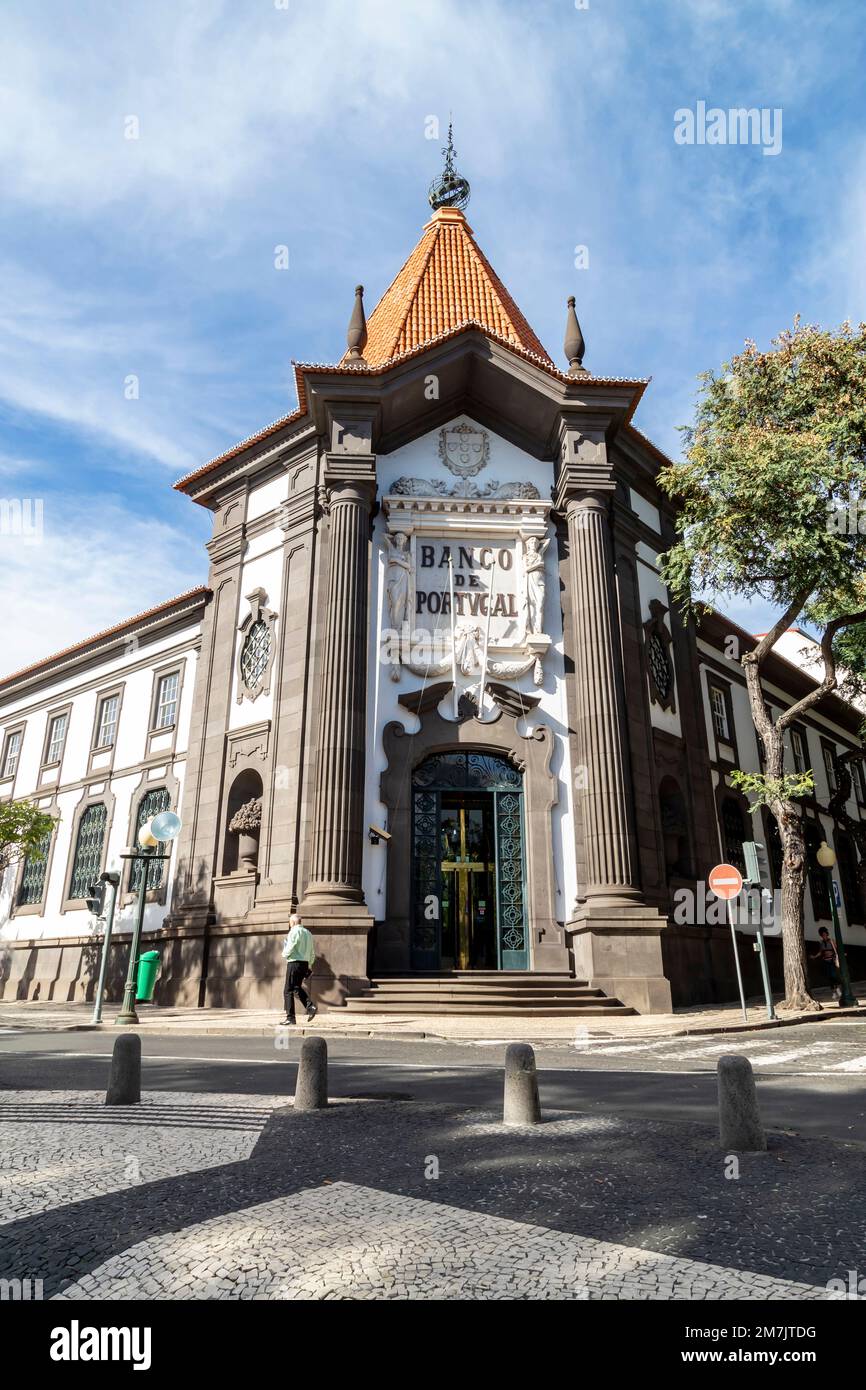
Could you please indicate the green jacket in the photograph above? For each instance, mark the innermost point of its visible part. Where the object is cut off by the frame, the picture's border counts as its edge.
(299, 945)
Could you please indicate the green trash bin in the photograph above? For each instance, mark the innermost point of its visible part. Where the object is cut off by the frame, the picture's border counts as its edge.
(148, 965)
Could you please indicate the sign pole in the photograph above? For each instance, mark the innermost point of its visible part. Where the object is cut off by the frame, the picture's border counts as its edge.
(486, 641)
(455, 693)
(737, 959)
(726, 882)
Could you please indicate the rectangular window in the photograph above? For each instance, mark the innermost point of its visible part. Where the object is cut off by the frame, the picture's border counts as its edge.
(860, 782)
(719, 706)
(56, 738)
(166, 701)
(11, 754)
(830, 768)
(107, 727)
(798, 751)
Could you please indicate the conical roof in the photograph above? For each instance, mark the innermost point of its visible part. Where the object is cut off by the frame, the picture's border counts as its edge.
(447, 282)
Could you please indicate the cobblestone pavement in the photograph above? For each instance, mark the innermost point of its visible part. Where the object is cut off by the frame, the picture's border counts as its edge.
(344, 1241)
(57, 1149)
(662, 1200)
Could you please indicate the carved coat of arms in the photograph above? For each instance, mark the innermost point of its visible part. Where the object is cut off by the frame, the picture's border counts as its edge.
(464, 450)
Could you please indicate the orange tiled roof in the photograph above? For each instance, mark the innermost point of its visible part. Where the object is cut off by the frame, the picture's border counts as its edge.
(447, 281)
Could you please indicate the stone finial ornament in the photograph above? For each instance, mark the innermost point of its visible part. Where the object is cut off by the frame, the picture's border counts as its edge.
(574, 344)
(356, 334)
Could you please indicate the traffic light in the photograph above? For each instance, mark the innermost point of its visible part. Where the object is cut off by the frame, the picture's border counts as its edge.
(757, 873)
(96, 898)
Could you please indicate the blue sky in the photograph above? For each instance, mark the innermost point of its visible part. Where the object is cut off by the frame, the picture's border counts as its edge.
(286, 122)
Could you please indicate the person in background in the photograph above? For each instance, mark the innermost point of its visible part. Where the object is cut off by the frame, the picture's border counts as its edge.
(299, 953)
(829, 957)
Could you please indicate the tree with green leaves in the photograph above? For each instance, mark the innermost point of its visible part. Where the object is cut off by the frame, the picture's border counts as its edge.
(23, 828)
(772, 505)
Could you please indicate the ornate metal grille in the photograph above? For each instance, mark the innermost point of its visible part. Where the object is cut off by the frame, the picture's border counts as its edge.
(472, 771)
(88, 849)
(255, 653)
(509, 879)
(427, 895)
(659, 665)
(33, 875)
(150, 805)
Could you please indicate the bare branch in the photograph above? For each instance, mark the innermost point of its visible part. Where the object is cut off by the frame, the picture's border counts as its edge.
(830, 681)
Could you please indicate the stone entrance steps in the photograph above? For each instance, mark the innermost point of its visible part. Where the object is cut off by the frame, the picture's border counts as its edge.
(503, 992)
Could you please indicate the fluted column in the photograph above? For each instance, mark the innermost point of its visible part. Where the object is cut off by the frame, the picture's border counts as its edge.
(611, 865)
(338, 820)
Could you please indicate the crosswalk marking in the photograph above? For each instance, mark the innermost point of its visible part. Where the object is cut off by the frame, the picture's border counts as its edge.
(853, 1064)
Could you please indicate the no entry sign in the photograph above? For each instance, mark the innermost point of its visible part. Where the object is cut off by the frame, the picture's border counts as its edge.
(725, 881)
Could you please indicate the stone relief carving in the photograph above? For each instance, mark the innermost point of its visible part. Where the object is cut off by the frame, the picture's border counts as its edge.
(464, 450)
(533, 569)
(432, 487)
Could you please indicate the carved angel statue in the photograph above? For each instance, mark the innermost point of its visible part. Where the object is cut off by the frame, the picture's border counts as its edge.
(397, 578)
(533, 569)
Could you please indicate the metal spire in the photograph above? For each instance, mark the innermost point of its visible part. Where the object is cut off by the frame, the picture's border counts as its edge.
(450, 190)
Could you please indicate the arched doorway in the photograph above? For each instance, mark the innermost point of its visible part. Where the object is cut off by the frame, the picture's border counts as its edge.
(468, 864)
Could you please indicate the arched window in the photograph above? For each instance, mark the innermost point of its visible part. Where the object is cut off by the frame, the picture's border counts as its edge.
(675, 829)
(775, 853)
(87, 864)
(734, 833)
(150, 805)
(255, 654)
(817, 877)
(32, 885)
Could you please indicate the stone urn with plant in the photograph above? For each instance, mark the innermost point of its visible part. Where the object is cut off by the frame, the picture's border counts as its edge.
(246, 823)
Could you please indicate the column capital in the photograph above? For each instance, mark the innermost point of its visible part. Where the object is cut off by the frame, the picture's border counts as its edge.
(582, 486)
(350, 478)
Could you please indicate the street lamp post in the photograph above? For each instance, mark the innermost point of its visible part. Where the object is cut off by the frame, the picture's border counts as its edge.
(827, 859)
(152, 834)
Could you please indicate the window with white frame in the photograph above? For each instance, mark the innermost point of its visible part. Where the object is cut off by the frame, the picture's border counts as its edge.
(166, 700)
(11, 753)
(106, 729)
(799, 751)
(719, 706)
(830, 768)
(56, 738)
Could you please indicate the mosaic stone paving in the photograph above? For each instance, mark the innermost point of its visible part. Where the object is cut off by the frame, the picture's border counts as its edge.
(59, 1149)
(350, 1242)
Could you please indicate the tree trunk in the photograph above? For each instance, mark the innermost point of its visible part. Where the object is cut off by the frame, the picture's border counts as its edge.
(790, 822)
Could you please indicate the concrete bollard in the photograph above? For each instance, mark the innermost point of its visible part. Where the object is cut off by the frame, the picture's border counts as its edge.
(521, 1104)
(740, 1125)
(311, 1089)
(124, 1081)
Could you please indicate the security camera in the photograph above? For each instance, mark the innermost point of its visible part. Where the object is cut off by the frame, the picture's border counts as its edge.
(376, 834)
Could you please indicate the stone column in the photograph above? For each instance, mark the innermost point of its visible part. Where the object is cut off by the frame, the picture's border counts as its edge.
(338, 818)
(333, 904)
(611, 864)
(615, 934)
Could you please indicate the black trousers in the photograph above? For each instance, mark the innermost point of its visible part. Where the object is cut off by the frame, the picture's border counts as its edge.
(296, 972)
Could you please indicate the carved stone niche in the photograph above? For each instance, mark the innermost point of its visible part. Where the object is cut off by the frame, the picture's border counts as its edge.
(530, 753)
(659, 661)
(257, 648)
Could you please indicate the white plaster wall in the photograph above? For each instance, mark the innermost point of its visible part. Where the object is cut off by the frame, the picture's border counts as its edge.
(122, 783)
(507, 464)
(648, 513)
(262, 569)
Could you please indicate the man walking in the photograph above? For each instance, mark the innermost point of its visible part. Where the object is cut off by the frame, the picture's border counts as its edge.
(299, 952)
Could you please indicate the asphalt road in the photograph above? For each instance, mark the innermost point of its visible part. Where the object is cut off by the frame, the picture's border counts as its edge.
(811, 1078)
